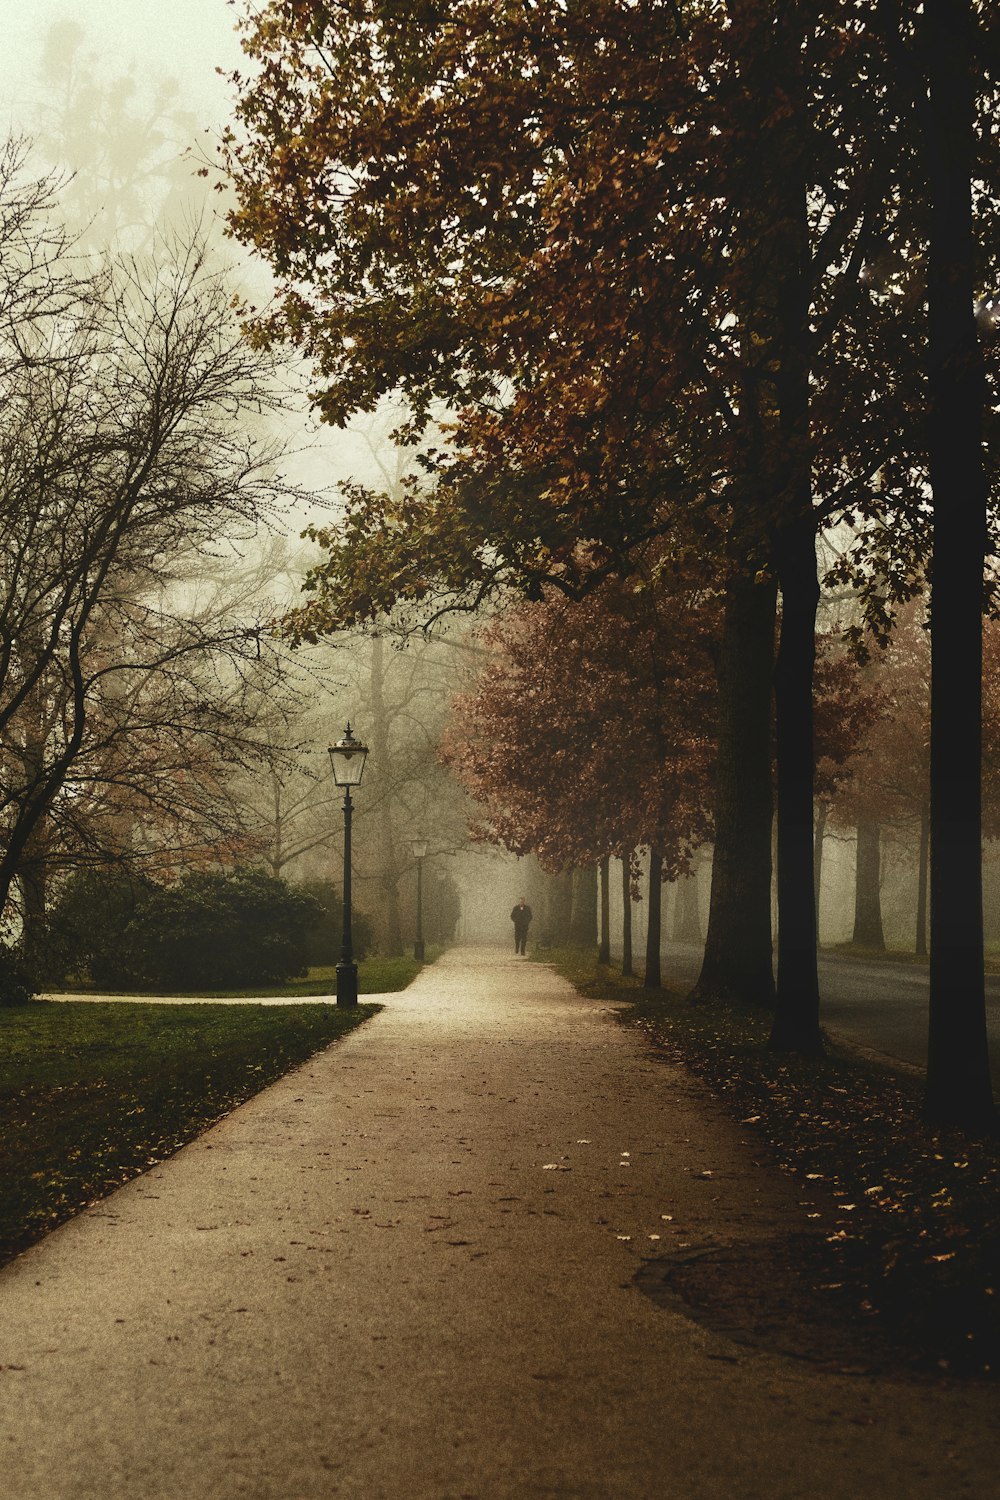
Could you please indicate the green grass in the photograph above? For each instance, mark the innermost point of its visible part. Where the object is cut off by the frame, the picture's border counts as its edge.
(92, 1094)
(917, 1227)
(376, 976)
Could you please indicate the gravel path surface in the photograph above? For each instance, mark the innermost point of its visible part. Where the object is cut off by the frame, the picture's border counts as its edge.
(412, 1270)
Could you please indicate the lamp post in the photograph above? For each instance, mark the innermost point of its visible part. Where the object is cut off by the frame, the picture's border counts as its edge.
(347, 760)
(419, 847)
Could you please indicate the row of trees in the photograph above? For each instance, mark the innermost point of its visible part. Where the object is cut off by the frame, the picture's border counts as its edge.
(666, 266)
(591, 734)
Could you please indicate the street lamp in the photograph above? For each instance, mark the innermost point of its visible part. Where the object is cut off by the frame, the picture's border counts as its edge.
(347, 759)
(419, 847)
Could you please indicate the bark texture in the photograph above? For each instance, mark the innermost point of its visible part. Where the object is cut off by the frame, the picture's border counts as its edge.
(604, 944)
(923, 854)
(627, 913)
(958, 1069)
(653, 978)
(868, 931)
(737, 960)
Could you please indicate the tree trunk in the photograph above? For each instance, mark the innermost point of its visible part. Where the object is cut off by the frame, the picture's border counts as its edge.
(388, 918)
(583, 924)
(627, 913)
(34, 894)
(737, 960)
(920, 947)
(687, 918)
(652, 980)
(958, 1069)
(819, 834)
(867, 887)
(604, 948)
(796, 1016)
(559, 908)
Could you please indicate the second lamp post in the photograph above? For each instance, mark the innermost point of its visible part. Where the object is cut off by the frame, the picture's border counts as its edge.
(419, 847)
(347, 758)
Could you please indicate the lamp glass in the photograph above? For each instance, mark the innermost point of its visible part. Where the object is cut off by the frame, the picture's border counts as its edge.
(419, 847)
(347, 759)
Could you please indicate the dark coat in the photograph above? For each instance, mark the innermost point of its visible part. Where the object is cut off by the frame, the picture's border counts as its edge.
(521, 916)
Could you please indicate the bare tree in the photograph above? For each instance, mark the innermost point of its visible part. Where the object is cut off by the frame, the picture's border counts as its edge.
(129, 462)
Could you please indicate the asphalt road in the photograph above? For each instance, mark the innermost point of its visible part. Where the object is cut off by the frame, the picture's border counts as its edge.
(882, 1006)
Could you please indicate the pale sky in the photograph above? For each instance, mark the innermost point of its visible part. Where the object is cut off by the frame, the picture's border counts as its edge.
(186, 39)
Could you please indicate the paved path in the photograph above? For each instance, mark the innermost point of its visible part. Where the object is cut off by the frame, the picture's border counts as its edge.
(375, 1281)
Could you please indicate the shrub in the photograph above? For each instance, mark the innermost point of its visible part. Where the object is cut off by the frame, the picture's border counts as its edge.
(91, 928)
(15, 983)
(208, 931)
(222, 931)
(325, 935)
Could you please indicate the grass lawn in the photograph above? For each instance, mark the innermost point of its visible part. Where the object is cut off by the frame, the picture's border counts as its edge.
(917, 1232)
(92, 1094)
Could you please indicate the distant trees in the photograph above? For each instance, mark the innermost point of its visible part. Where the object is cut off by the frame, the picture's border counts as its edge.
(117, 142)
(884, 784)
(887, 780)
(401, 687)
(577, 776)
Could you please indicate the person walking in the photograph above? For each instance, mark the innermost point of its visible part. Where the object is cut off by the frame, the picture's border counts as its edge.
(521, 918)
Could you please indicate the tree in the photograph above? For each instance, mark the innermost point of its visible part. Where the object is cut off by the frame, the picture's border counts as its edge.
(946, 95)
(610, 386)
(190, 700)
(127, 685)
(849, 702)
(576, 776)
(958, 1070)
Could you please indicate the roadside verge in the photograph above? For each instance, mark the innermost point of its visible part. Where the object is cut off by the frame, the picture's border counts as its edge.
(916, 1242)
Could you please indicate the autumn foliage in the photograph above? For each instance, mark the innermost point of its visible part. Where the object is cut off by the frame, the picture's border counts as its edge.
(591, 730)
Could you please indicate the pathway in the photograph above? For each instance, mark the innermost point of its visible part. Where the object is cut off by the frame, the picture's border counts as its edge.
(406, 1272)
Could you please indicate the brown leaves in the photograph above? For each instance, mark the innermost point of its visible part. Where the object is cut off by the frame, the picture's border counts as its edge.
(539, 741)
